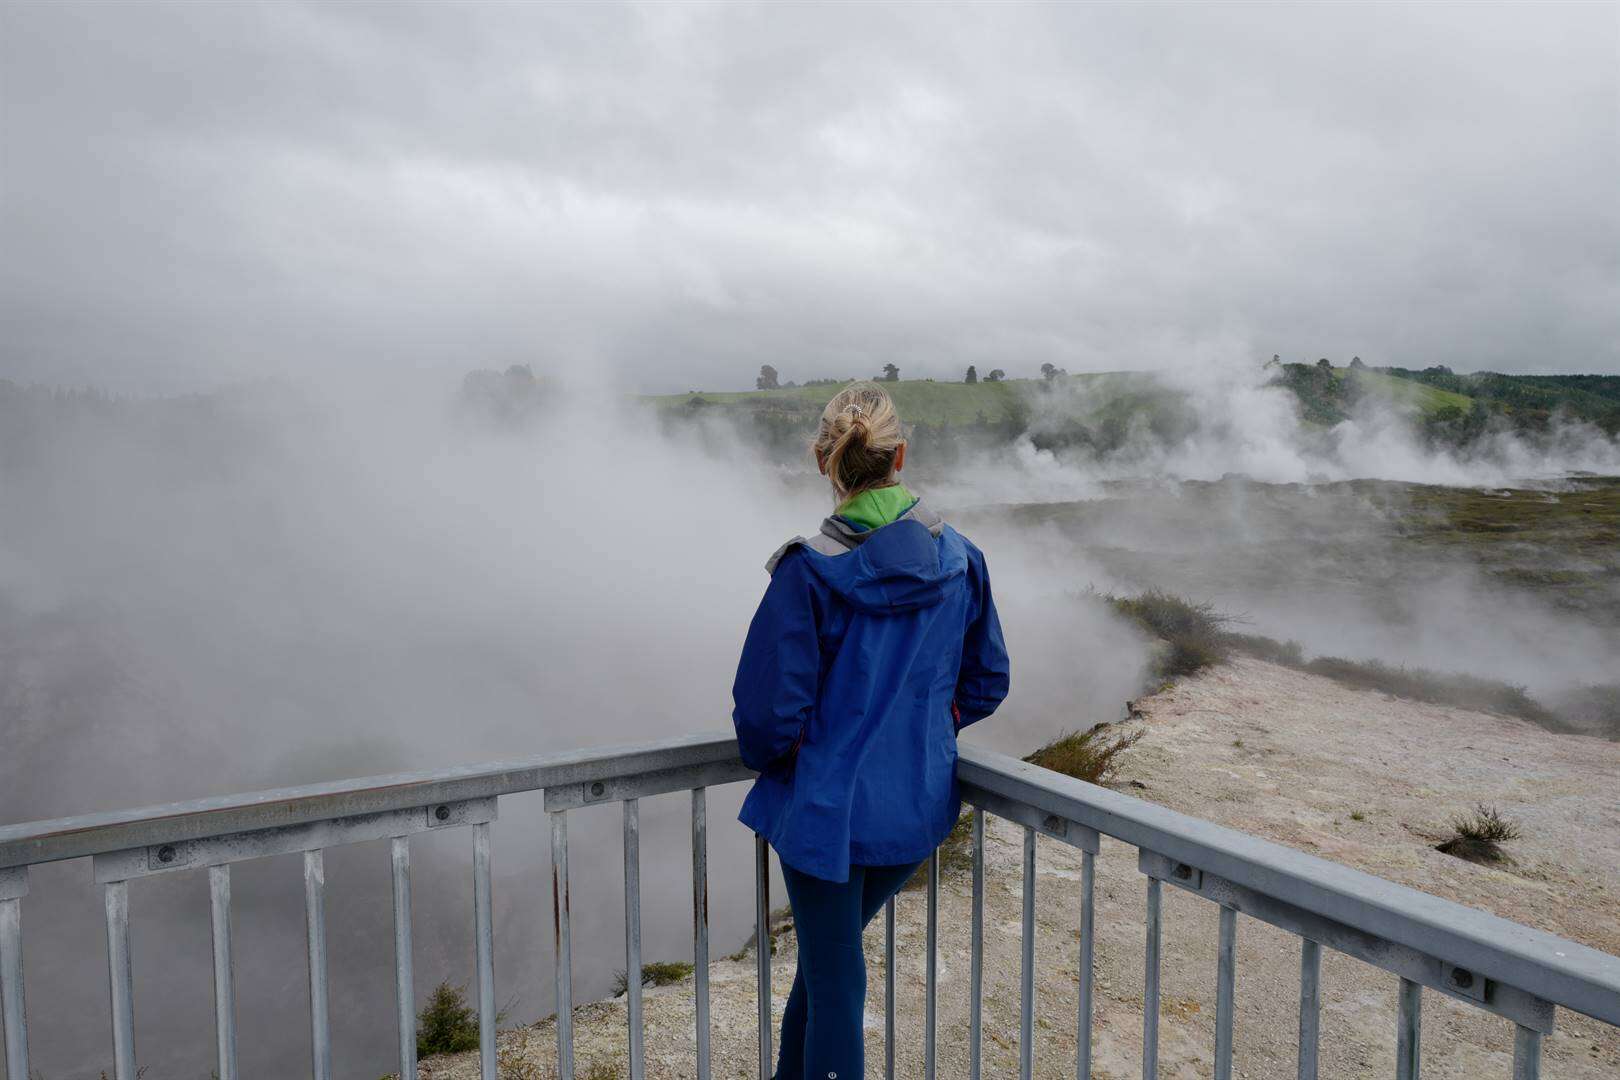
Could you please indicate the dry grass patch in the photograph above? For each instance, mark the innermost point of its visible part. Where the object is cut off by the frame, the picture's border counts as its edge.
(1478, 837)
(1092, 756)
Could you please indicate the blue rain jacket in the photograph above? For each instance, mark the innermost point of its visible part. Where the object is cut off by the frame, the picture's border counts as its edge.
(870, 650)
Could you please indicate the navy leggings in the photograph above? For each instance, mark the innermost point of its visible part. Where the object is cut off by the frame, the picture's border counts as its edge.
(822, 1034)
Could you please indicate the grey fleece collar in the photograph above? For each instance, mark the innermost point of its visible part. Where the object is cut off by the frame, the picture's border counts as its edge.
(839, 537)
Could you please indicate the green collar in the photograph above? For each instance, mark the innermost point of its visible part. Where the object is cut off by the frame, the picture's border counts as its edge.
(876, 507)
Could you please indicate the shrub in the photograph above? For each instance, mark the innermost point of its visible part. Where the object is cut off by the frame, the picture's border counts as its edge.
(657, 973)
(1593, 709)
(1477, 837)
(513, 1064)
(1454, 689)
(955, 853)
(447, 1024)
(1194, 634)
(1092, 756)
(1286, 653)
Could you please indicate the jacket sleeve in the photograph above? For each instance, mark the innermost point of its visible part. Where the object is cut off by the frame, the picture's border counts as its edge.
(984, 678)
(779, 674)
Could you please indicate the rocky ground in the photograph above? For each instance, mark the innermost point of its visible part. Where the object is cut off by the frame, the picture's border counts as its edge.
(1353, 776)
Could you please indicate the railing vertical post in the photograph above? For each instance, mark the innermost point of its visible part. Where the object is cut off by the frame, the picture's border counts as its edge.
(1526, 1053)
(484, 932)
(120, 980)
(1026, 971)
(404, 984)
(219, 904)
(1409, 1032)
(976, 955)
(762, 949)
(13, 1014)
(1150, 982)
(1310, 1006)
(1088, 964)
(564, 963)
(1225, 987)
(632, 935)
(315, 931)
(888, 989)
(931, 978)
(700, 925)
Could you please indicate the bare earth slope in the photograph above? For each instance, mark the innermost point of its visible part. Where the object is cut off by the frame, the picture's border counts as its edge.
(1287, 756)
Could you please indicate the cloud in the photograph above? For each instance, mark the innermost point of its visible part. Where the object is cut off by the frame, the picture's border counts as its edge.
(673, 194)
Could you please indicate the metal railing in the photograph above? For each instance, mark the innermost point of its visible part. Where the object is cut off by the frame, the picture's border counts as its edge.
(1498, 966)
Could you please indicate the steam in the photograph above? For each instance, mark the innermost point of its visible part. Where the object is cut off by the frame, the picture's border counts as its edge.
(265, 588)
(223, 594)
(1239, 423)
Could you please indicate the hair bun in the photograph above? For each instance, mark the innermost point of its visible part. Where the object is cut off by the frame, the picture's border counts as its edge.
(858, 438)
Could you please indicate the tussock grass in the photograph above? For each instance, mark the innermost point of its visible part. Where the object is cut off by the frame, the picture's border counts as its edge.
(1438, 688)
(1092, 756)
(657, 973)
(955, 854)
(511, 1064)
(1593, 709)
(1478, 836)
(1196, 636)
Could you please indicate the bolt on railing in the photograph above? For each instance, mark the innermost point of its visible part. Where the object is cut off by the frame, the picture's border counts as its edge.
(1497, 966)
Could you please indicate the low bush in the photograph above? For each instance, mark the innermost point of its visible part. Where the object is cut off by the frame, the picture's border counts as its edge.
(658, 973)
(447, 1024)
(1092, 756)
(1594, 710)
(1478, 837)
(1439, 688)
(955, 853)
(1194, 634)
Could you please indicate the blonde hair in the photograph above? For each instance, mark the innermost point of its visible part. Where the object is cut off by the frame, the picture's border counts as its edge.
(857, 439)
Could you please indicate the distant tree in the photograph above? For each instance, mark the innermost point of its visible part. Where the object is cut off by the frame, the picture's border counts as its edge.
(1052, 371)
(972, 375)
(890, 374)
(1438, 369)
(1274, 362)
(513, 397)
(1355, 362)
(995, 375)
(767, 378)
(1323, 363)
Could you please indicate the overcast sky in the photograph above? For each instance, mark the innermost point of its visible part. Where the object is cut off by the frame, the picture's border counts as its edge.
(199, 193)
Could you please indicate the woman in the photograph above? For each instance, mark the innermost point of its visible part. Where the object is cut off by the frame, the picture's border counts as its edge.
(876, 642)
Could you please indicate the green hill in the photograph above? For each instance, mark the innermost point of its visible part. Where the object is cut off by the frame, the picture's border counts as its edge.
(1527, 401)
(920, 401)
(1094, 397)
(1100, 410)
(1425, 398)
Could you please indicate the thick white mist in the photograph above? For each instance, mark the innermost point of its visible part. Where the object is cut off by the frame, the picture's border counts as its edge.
(1245, 426)
(269, 590)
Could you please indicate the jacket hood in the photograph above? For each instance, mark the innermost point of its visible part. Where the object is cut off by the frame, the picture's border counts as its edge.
(902, 566)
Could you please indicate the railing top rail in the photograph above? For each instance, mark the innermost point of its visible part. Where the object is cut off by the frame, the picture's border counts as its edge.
(1561, 971)
(92, 834)
(1564, 972)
